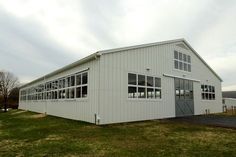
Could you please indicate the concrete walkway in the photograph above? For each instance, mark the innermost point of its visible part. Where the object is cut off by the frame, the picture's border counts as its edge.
(212, 120)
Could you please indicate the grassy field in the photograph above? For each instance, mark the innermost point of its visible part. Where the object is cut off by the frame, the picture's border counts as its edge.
(30, 134)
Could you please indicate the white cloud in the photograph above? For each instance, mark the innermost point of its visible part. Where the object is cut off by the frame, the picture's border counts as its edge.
(80, 27)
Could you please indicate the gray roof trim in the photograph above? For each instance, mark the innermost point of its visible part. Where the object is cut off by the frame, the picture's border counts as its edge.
(162, 43)
(79, 62)
(141, 46)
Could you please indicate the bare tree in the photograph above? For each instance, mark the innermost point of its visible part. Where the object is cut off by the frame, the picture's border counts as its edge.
(8, 82)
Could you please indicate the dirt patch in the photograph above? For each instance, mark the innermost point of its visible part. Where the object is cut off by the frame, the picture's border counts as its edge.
(36, 116)
(53, 138)
(18, 112)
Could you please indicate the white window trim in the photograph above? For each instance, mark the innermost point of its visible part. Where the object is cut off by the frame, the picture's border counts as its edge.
(143, 99)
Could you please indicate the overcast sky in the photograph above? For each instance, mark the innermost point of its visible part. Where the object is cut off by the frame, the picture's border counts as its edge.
(39, 36)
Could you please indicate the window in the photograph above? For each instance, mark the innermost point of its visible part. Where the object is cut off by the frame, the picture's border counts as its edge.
(85, 78)
(208, 92)
(144, 87)
(132, 92)
(68, 87)
(72, 80)
(141, 80)
(150, 81)
(84, 91)
(183, 89)
(132, 80)
(72, 93)
(141, 92)
(82, 85)
(182, 61)
(78, 92)
(78, 79)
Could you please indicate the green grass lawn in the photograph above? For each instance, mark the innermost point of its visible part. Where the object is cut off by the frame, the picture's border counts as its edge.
(29, 134)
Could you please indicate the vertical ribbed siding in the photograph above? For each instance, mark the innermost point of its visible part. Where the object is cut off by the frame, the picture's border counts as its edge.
(73, 109)
(116, 107)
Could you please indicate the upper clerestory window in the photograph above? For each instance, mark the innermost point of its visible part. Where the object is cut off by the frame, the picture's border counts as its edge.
(182, 61)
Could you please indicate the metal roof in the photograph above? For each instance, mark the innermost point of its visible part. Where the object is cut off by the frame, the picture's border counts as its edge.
(99, 53)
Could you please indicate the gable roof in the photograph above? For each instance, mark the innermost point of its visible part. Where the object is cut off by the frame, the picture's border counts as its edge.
(162, 43)
(99, 53)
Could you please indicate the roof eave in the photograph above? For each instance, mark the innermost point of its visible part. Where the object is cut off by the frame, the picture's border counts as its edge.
(79, 62)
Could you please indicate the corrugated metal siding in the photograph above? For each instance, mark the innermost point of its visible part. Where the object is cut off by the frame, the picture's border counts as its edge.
(116, 107)
(80, 109)
(205, 75)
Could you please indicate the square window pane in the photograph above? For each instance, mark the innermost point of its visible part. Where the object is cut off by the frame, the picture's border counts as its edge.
(203, 96)
(189, 68)
(187, 94)
(78, 79)
(158, 93)
(78, 92)
(213, 89)
(132, 79)
(55, 95)
(185, 67)
(72, 80)
(52, 94)
(176, 54)
(56, 85)
(213, 96)
(85, 78)
(72, 93)
(63, 83)
(150, 93)
(202, 88)
(84, 91)
(132, 92)
(141, 80)
(60, 84)
(181, 83)
(176, 64)
(181, 94)
(177, 93)
(141, 92)
(67, 94)
(185, 57)
(180, 56)
(210, 96)
(157, 82)
(206, 96)
(68, 82)
(186, 84)
(177, 85)
(180, 65)
(210, 88)
(150, 81)
(189, 59)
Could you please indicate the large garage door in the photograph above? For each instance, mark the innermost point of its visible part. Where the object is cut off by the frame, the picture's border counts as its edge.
(184, 105)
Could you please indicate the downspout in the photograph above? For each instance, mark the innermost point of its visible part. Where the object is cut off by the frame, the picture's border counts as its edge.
(45, 107)
(97, 116)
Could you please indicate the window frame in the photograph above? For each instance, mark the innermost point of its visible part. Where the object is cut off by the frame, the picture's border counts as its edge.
(208, 92)
(146, 87)
(50, 90)
(181, 63)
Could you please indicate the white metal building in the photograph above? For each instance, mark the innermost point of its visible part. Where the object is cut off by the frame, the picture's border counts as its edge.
(229, 102)
(143, 82)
